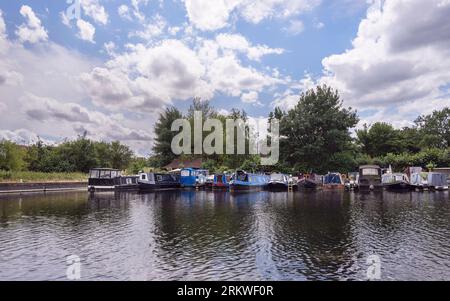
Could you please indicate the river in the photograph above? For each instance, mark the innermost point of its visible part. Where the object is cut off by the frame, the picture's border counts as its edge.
(204, 235)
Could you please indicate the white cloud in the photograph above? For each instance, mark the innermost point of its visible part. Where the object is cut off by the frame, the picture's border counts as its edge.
(86, 31)
(256, 11)
(213, 15)
(295, 27)
(210, 15)
(399, 59)
(32, 31)
(124, 12)
(152, 29)
(95, 10)
(21, 136)
(251, 97)
(237, 42)
(97, 124)
(2, 26)
(147, 78)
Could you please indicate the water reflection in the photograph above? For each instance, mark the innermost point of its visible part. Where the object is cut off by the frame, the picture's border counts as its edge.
(204, 235)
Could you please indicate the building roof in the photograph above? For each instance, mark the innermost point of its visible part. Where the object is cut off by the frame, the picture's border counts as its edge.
(185, 163)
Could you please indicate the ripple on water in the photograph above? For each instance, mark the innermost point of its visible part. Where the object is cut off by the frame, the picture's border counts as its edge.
(187, 235)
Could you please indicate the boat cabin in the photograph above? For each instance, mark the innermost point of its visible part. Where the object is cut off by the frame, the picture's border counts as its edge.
(419, 180)
(110, 179)
(370, 177)
(333, 178)
(391, 178)
(437, 181)
(191, 177)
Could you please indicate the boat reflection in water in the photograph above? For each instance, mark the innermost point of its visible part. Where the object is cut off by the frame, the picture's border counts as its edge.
(220, 235)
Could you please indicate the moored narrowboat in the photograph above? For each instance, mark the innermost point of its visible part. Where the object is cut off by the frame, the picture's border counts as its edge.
(396, 182)
(437, 181)
(419, 180)
(244, 181)
(158, 181)
(221, 181)
(370, 178)
(193, 178)
(333, 181)
(108, 179)
(278, 182)
(310, 182)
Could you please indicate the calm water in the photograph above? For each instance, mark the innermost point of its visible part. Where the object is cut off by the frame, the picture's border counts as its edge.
(188, 235)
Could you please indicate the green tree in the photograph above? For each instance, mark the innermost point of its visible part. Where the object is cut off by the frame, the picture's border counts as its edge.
(317, 130)
(435, 129)
(163, 140)
(11, 156)
(380, 139)
(121, 155)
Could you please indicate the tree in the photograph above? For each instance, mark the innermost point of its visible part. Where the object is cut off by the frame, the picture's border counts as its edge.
(379, 140)
(435, 129)
(11, 156)
(121, 155)
(163, 141)
(317, 130)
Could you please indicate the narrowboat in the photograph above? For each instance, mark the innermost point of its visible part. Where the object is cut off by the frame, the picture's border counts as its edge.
(333, 181)
(158, 181)
(193, 178)
(351, 182)
(209, 182)
(309, 182)
(244, 181)
(396, 182)
(437, 181)
(108, 179)
(419, 180)
(221, 181)
(278, 182)
(370, 178)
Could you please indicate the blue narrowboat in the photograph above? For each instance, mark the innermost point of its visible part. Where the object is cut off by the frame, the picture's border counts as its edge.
(193, 178)
(243, 181)
(221, 181)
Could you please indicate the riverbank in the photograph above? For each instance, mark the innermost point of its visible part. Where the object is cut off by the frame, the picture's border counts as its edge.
(30, 187)
(41, 177)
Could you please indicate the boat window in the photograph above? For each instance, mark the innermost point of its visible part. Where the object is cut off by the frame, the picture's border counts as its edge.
(185, 173)
(105, 174)
(370, 172)
(94, 174)
(399, 177)
(242, 177)
(277, 177)
(144, 177)
(332, 179)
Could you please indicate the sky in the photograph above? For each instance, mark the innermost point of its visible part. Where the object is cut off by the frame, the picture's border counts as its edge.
(109, 67)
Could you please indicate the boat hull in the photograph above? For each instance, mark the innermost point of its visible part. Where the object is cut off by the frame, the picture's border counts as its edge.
(399, 186)
(239, 187)
(334, 187)
(307, 184)
(277, 186)
(157, 186)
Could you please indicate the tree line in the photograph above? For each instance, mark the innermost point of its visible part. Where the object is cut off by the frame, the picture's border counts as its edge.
(78, 155)
(316, 135)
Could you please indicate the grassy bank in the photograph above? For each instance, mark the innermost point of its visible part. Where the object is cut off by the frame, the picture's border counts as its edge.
(28, 176)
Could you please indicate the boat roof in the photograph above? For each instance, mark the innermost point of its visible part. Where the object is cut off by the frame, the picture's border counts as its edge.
(369, 166)
(105, 169)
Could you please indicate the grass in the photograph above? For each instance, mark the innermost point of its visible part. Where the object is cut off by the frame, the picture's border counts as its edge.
(30, 176)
